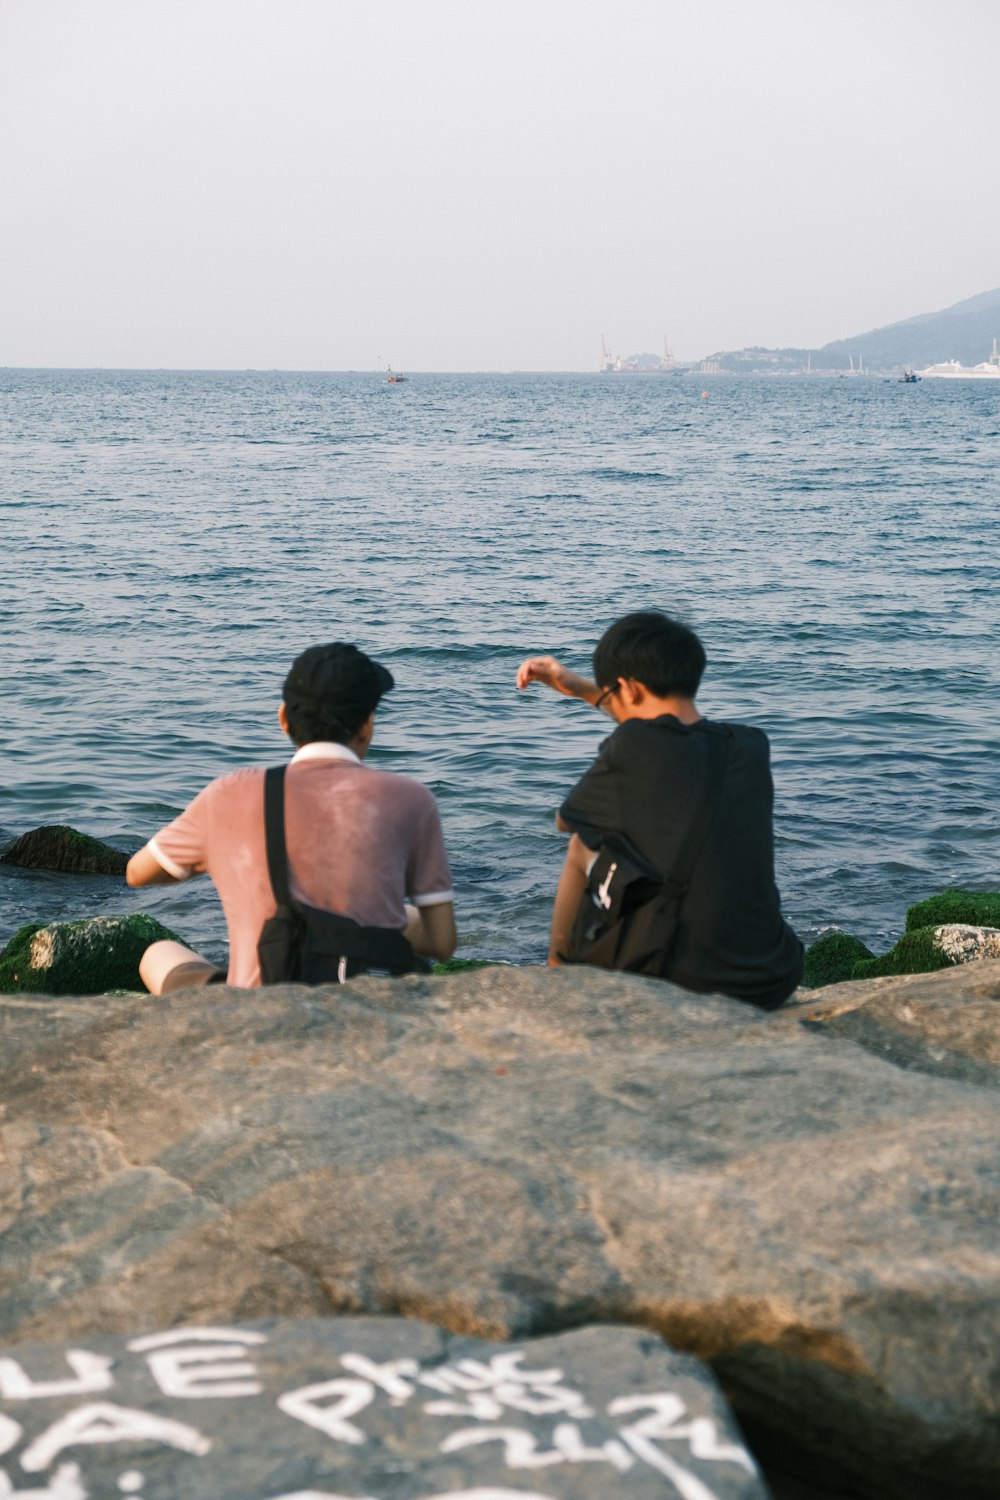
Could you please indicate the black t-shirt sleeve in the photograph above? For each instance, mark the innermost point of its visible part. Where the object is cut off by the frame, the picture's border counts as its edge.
(593, 807)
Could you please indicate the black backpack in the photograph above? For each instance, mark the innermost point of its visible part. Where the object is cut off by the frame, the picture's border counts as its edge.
(301, 943)
(629, 913)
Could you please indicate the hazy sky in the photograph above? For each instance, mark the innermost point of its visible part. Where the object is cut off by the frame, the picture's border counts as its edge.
(486, 184)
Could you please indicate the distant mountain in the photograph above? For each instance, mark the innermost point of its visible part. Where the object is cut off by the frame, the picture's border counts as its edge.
(964, 332)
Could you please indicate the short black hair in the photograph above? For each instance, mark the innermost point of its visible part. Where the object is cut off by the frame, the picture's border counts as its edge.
(649, 647)
(330, 691)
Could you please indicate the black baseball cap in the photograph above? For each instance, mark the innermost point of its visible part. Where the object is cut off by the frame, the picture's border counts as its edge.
(337, 682)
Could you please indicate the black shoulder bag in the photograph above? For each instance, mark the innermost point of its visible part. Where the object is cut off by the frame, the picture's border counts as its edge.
(628, 915)
(302, 943)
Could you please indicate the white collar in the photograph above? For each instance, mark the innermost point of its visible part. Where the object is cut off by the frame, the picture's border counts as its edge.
(325, 750)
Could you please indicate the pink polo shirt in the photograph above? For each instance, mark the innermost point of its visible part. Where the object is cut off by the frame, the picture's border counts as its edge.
(360, 842)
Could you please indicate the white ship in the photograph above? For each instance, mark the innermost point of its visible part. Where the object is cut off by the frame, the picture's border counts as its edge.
(951, 369)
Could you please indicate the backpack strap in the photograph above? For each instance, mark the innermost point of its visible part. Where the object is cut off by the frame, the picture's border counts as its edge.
(274, 833)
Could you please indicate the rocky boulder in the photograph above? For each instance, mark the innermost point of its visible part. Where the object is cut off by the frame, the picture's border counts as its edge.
(953, 927)
(973, 908)
(807, 1199)
(921, 950)
(367, 1407)
(79, 958)
(832, 957)
(60, 848)
(944, 1024)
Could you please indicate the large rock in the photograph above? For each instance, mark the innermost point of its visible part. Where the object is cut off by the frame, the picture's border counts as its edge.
(976, 908)
(953, 927)
(367, 1406)
(60, 848)
(921, 950)
(808, 1199)
(944, 1024)
(832, 957)
(79, 958)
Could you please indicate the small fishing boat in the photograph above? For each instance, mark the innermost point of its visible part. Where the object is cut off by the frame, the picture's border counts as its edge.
(909, 377)
(392, 377)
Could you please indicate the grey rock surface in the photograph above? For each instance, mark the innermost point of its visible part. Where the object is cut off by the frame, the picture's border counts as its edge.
(386, 1408)
(808, 1199)
(941, 1023)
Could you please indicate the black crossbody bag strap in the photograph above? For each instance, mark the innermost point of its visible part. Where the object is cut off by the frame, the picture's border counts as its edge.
(274, 833)
(717, 746)
(307, 944)
(629, 913)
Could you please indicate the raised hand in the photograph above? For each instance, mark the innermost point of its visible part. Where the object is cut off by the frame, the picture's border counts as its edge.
(551, 672)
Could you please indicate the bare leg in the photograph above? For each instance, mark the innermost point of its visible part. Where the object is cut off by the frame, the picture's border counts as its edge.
(168, 966)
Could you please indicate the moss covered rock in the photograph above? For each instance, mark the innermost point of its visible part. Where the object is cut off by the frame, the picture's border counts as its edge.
(461, 965)
(916, 952)
(972, 908)
(79, 958)
(61, 848)
(832, 957)
(922, 950)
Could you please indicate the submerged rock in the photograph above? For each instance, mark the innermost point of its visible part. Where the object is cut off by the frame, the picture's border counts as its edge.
(61, 848)
(807, 1199)
(87, 957)
(330, 1407)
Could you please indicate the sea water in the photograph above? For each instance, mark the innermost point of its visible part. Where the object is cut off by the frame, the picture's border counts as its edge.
(171, 541)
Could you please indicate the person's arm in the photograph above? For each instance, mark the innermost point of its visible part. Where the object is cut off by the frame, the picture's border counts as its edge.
(431, 929)
(429, 893)
(572, 883)
(177, 852)
(145, 869)
(552, 673)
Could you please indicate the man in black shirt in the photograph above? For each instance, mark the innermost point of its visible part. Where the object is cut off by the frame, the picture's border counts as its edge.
(648, 784)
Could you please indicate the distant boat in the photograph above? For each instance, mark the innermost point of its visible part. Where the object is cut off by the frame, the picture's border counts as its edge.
(392, 377)
(909, 377)
(951, 369)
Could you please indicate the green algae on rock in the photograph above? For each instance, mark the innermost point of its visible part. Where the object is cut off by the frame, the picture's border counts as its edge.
(929, 948)
(460, 965)
(832, 957)
(916, 952)
(973, 908)
(59, 847)
(953, 927)
(87, 957)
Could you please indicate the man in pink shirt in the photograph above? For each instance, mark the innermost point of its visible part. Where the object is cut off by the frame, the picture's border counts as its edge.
(361, 842)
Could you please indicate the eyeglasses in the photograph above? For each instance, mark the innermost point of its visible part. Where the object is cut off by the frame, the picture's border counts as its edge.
(608, 693)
